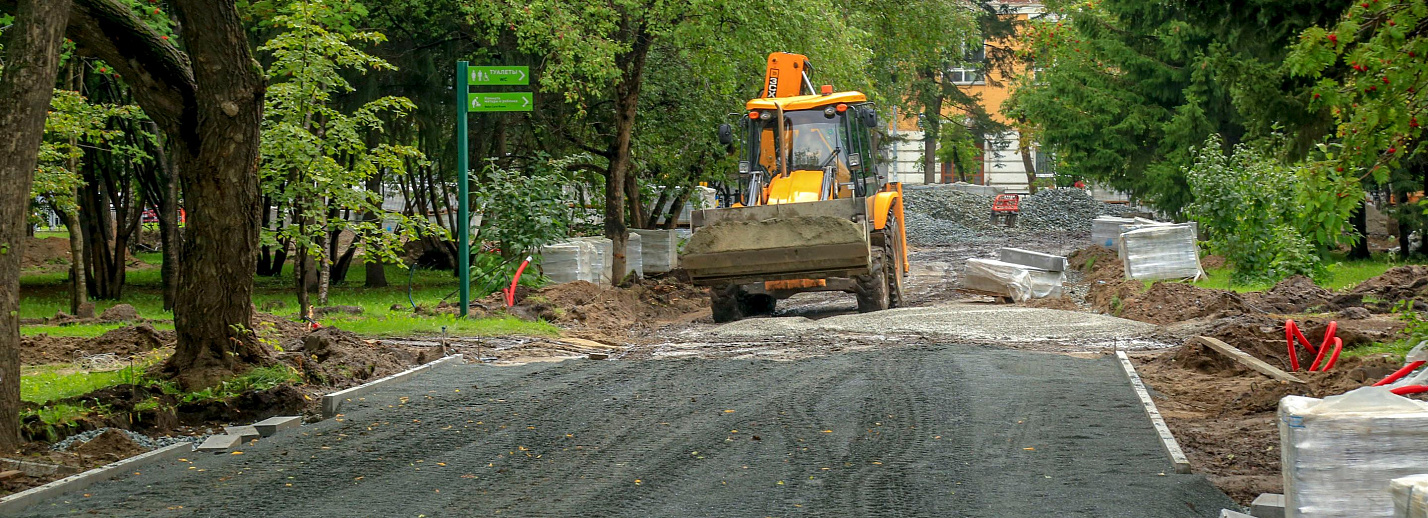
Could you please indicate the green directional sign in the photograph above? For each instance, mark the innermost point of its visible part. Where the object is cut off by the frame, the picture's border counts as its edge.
(498, 75)
(500, 102)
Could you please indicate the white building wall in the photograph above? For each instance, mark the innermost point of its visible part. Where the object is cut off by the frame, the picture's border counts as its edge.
(906, 154)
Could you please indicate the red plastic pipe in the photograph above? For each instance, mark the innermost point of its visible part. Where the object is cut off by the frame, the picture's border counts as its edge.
(1324, 348)
(1289, 331)
(511, 292)
(1410, 389)
(1334, 358)
(1300, 335)
(1400, 373)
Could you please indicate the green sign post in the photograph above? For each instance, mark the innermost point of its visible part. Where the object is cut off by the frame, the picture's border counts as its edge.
(467, 102)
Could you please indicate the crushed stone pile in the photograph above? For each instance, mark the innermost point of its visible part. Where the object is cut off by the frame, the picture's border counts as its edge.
(942, 215)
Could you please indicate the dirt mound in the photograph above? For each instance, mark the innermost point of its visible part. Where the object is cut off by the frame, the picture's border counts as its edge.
(1093, 258)
(1062, 303)
(337, 358)
(1211, 262)
(1170, 302)
(1381, 293)
(122, 343)
(110, 445)
(1296, 294)
(40, 252)
(119, 313)
(612, 309)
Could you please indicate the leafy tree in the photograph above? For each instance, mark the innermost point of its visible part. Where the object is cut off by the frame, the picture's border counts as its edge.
(316, 158)
(1123, 90)
(1369, 69)
(524, 209)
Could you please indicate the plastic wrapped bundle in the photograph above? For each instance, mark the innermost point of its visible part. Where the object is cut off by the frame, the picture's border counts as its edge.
(1016, 281)
(1339, 454)
(1410, 496)
(634, 259)
(659, 250)
(567, 262)
(1161, 252)
(1106, 231)
(602, 261)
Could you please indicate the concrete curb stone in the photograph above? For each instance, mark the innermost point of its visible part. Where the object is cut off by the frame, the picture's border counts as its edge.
(1167, 439)
(331, 403)
(14, 503)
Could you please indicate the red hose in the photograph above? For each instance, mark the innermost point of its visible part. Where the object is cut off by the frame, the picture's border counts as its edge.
(1324, 348)
(1334, 358)
(1289, 331)
(1400, 373)
(1410, 389)
(511, 292)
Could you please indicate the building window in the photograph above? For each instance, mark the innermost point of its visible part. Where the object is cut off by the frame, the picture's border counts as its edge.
(965, 76)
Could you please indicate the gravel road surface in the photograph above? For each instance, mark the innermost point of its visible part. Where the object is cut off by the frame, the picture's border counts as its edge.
(906, 431)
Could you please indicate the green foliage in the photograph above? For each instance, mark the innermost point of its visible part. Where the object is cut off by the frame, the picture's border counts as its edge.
(45, 383)
(1417, 325)
(958, 146)
(1368, 67)
(523, 210)
(1244, 202)
(72, 125)
(316, 156)
(1125, 89)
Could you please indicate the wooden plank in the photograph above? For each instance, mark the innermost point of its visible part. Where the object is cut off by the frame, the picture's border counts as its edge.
(1245, 358)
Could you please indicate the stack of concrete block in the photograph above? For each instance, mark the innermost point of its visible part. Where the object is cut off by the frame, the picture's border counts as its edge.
(1161, 251)
(634, 256)
(1020, 275)
(569, 261)
(658, 250)
(1106, 231)
(602, 261)
(1410, 496)
(1339, 454)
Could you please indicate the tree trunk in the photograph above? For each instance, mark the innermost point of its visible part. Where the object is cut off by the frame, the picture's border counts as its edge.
(376, 272)
(671, 219)
(627, 95)
(1360, 221)
(301, 276)
(324, 268)
(1027, 163)
(78, 292)
(638, 215)
(931, 130)
(169, 238)
(218, 172)
(1404, 248)
(31, 57)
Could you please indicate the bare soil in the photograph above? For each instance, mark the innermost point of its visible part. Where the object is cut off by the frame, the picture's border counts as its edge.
(45, 252)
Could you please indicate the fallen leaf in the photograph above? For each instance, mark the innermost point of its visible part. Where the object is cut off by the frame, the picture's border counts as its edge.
(728, 411)
(1029, 449)
(237, 453)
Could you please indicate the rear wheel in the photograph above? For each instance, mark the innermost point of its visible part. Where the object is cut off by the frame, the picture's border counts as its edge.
(893, 249)
(758, 304)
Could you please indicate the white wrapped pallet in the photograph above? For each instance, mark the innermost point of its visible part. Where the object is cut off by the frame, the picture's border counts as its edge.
(1019, 282)
(602, 261)
(1106, 231)
(1161, 252)
(1410, 496)
(634, 258)
(1340, 453)
(659, 250)
(566, 262)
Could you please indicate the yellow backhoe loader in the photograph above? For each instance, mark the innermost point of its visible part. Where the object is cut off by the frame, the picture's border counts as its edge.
(813, 211)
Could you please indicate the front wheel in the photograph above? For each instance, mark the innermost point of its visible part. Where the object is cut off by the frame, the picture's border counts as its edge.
(872, 289)
(724, 302)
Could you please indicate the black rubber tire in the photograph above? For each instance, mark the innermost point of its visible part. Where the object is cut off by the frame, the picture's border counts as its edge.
(1011, 220)
(751, 305)
(892, 248)
(724, 302)
(873, 288)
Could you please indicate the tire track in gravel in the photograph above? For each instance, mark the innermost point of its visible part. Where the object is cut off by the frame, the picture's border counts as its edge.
(910, 431)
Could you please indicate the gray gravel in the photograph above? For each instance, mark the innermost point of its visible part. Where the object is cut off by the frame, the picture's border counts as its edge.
(944, 431)
(942, 215)
(151, 443)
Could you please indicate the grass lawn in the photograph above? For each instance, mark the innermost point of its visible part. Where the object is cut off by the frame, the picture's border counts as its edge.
(1342, 274)
(43, 295)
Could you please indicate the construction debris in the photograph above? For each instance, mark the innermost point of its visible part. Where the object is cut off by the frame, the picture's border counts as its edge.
(1015, 281)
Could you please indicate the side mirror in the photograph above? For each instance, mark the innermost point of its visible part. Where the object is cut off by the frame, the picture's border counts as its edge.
(726, 134)
(869, 118)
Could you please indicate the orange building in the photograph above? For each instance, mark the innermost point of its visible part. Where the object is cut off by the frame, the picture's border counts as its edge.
(1001, 164)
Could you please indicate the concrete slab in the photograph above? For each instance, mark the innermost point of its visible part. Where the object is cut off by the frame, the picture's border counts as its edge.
(11, 475)
(1267, 505)
(217, 443)
(36, 469)
(11, 505)
(331, 403)
(1167, 439)
(244, 433)
(1048, 262)
(1226, 513)
(272, 425)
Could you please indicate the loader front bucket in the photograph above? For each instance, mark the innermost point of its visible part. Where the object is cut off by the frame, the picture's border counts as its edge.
(807, 240)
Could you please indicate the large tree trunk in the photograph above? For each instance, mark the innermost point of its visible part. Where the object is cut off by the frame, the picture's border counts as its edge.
(218, 171)
(1027, 163)
(78, 292)
(932, 129)
(627, 96)
(26, 84)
